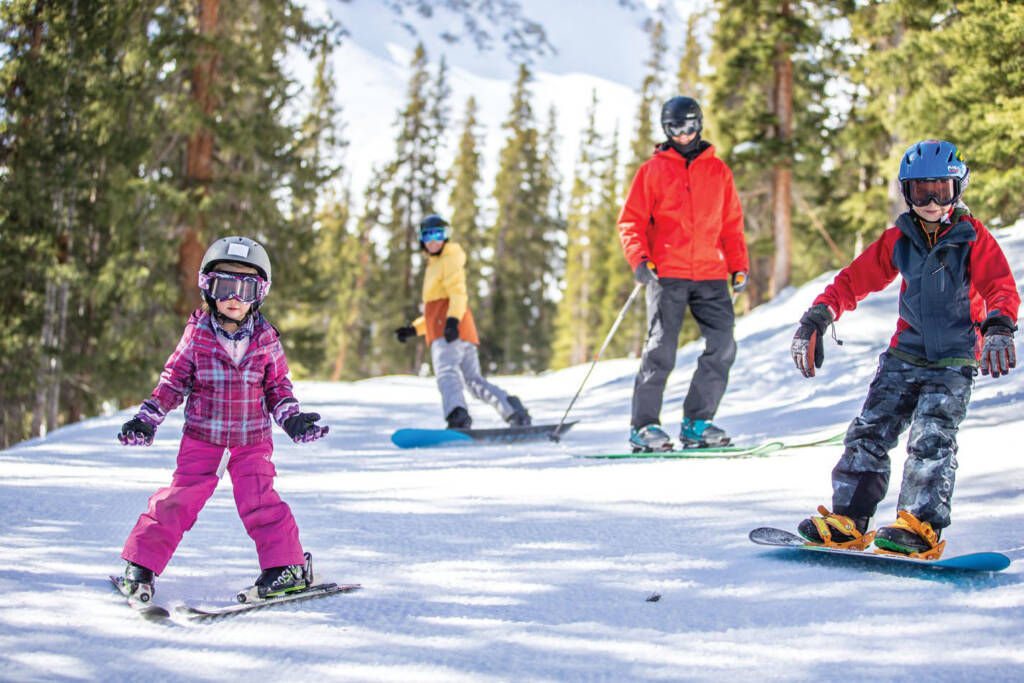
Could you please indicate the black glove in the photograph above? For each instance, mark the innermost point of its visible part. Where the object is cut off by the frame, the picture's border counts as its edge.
(807, 343)
(451, 329)
(645, 273)
(998, 354)
(405, 332)
(739, 281)
(302, 427)
(136, 432)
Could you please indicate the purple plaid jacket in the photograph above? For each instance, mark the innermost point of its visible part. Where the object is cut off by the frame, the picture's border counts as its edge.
(227, 404)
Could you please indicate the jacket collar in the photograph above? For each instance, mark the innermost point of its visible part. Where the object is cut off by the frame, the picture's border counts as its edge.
(664, 150)
(206, 335)
(960, 231)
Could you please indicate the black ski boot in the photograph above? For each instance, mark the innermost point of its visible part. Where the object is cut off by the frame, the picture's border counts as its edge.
(138, 582)
(836, 531)
(910, 536)
(459, 419)
(278, 581)
(520, 416)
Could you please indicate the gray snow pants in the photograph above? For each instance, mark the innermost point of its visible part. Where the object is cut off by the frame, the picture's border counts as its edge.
(457, 362)
(711, 307)
(933, 401)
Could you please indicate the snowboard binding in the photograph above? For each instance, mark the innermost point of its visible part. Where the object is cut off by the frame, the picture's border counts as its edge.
(910, 537)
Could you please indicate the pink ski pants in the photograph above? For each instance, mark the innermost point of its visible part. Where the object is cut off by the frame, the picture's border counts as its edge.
(173, 509)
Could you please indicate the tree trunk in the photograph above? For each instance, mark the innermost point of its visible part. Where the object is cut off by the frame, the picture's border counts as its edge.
(199, 157)
(782, 173)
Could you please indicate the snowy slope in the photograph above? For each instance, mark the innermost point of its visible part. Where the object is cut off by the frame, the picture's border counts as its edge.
(523, 562)
(600, 47)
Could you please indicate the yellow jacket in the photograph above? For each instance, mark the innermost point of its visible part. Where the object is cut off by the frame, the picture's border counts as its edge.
(445, 295)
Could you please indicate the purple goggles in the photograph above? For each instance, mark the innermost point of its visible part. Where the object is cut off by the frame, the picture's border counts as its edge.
(223, 286)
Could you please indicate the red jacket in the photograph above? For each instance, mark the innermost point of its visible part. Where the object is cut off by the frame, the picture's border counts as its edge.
(947, 287)
(687, 221)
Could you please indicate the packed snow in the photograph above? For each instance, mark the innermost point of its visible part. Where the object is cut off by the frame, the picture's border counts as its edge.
(526, 562)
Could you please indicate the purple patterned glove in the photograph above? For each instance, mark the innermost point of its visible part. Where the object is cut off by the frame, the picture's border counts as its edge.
(136, 432)
(302, 427)
(139, 430)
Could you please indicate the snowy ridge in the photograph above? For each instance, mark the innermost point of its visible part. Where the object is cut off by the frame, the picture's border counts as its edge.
(523, 563)
(372, 71)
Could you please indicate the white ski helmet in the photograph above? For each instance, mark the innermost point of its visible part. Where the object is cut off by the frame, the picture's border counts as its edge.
(235, 249)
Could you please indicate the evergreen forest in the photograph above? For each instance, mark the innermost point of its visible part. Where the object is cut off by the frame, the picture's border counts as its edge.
(135, 132)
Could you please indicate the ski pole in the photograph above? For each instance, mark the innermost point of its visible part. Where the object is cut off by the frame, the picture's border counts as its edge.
(622, 314)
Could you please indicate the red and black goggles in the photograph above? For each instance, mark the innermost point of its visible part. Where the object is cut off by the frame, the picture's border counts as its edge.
(924, 191)
(223, 286)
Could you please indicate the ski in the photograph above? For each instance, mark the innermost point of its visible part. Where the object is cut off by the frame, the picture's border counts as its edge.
(758, 450)
(319, 591)
(425, 438)
(144, 608)
(972, 562)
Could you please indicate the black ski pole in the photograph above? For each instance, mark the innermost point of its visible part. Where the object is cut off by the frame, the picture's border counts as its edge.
(622, 314)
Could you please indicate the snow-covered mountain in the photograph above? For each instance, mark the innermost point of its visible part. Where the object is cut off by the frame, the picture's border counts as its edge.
(600, 47)
(525, 562)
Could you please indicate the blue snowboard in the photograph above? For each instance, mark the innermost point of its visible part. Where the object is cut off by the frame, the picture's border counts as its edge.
(425, 438)
(972, 562)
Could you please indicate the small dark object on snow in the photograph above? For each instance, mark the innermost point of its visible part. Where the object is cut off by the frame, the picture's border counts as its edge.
(654, 597)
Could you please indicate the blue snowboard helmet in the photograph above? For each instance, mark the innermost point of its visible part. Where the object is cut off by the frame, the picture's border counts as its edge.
(928, 161)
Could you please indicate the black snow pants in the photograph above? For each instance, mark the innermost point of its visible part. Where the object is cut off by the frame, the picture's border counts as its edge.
(711, 307)
(933, 401)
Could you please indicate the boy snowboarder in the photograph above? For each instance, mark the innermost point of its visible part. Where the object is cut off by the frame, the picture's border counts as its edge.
(956, 284)
(448, 325)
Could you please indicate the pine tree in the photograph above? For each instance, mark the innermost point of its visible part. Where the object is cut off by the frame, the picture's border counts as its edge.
(579, 309)
(96, 121)
(465, 177)
(517, 313)
(325, 256)
(412, 181)
(945, 70)
(688, 78)
(768, 105)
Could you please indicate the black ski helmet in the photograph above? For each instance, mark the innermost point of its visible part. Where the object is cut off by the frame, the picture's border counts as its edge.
(681, 112)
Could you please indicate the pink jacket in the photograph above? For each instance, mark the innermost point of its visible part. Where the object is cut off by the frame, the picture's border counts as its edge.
(228, 404)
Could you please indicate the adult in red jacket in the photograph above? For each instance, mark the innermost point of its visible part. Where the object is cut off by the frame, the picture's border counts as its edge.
(681, 230)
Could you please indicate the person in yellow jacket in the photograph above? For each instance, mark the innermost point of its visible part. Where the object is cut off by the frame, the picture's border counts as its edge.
(451, 335)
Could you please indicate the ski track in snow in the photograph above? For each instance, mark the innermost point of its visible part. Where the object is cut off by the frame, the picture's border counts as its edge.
(521, 562)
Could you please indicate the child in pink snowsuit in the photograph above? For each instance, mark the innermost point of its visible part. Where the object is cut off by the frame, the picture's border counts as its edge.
(231, 367)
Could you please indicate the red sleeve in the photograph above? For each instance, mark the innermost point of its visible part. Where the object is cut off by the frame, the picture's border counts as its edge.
(734, 244)
(992, 278)
(634, 220)
(872, 271)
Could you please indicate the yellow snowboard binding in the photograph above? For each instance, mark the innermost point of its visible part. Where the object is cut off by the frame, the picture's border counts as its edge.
(909, 537)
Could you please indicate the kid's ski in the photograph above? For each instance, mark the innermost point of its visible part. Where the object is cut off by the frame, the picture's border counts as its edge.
(759, 450)
(320, 591)
(972, 562)
(144, 607)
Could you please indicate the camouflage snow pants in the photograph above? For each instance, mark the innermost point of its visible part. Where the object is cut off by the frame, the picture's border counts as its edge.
(933, 401)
